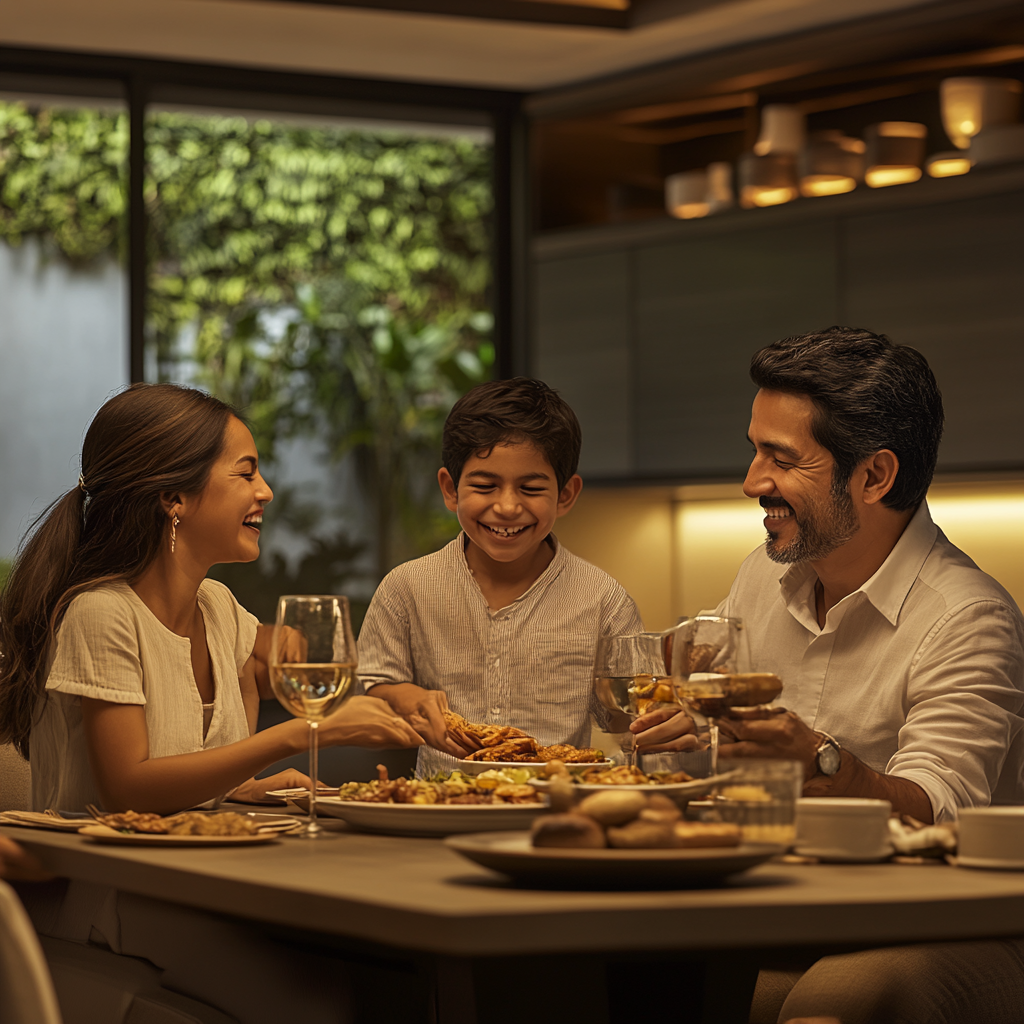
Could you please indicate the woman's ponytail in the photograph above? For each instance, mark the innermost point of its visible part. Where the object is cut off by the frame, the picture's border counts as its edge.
(148, 440)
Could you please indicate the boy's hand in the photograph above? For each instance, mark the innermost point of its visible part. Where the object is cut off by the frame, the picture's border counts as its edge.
(664, 730)
(424, 711)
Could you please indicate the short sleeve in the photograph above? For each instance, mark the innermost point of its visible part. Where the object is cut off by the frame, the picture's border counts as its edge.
(385, 646)
(97, 651)
(231, 618)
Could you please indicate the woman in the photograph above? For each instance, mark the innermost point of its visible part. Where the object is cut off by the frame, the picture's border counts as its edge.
(128, 678)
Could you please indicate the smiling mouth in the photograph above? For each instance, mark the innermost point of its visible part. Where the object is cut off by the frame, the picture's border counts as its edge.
(254, 522)
(776, 511)
(506, 531)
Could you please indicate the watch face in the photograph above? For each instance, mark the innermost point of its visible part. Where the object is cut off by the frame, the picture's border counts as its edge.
(829, 759)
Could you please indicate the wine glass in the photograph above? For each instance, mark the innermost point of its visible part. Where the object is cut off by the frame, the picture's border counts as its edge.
(628, 671)
(312, 668)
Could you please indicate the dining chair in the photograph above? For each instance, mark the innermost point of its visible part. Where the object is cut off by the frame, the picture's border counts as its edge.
(15, 780)
(26, 991)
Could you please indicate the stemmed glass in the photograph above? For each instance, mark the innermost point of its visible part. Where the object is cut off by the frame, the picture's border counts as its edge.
(312, 668)
(627, 673)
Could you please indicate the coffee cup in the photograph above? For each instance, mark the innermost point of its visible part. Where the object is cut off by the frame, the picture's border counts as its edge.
(843, 829)
(991, 837)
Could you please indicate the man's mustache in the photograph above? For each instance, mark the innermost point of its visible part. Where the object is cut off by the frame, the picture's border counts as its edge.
(774, 503)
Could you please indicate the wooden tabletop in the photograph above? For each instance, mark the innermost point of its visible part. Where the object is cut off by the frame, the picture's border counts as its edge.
(417, 894)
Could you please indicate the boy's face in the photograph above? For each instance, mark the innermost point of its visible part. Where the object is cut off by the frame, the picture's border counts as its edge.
(508, 501)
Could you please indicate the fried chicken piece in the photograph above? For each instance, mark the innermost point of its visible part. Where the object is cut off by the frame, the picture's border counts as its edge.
(570, 754)
(133, 821)
(197, 823)
(522, 748)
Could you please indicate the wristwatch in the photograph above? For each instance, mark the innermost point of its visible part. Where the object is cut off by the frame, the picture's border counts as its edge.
(828, 757)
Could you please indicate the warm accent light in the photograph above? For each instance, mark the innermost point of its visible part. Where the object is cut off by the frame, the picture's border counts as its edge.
(830, 164)
(782, 130)
(948, 165)
(686, 194)
(895, 152)
(767, 180)
(971, 104)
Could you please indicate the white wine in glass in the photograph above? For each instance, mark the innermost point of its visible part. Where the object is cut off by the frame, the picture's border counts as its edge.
(312, 668)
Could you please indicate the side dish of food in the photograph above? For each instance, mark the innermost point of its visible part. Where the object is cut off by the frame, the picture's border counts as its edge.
(454, 790)
(188, 823)
(629, 820)
(505, 744)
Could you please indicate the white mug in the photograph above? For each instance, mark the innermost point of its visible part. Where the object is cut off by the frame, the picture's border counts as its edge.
(843, 828)
(991, 837)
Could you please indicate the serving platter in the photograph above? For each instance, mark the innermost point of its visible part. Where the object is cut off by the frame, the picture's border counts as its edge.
(479, 767)
(511, 853)
(429, 819)
(105, 834)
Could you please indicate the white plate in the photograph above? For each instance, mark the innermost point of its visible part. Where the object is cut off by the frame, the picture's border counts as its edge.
(479, 767)
(103, 834)
(284, 795)
(512, 854)
(429, 819)
(694, 786)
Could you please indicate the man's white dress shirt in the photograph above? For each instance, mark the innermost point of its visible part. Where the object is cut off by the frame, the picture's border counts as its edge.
(919, 673)
(528, 665)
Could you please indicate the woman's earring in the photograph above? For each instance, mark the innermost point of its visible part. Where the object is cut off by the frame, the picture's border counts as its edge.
(174, 535)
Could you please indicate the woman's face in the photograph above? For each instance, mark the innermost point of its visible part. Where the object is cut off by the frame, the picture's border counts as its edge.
(222, 523)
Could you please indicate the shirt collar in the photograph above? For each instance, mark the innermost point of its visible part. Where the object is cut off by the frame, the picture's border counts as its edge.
(458, 549)
(888, 588)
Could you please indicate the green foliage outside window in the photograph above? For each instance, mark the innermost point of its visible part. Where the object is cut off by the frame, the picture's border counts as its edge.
(328, 282)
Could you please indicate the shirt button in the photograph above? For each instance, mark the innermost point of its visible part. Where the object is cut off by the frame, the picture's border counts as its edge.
(495, 712)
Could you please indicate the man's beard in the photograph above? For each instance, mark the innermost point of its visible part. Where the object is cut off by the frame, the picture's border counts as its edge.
(822, 527)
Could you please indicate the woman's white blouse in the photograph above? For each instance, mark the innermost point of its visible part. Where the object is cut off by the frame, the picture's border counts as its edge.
(110, 646)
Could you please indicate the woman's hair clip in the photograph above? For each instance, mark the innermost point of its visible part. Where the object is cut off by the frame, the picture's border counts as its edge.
(81, 484)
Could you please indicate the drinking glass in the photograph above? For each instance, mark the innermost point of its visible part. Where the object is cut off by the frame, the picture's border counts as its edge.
(627, 674)
(312, 668)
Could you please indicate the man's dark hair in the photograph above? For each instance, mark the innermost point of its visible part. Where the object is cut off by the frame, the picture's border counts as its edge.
(868, 394)
(510, 411)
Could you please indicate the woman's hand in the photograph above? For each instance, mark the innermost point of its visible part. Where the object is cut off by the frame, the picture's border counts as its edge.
(18, 865)
(255, 790)
(664, 730)
(368, 722)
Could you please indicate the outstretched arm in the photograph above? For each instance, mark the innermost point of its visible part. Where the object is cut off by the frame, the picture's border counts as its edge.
(788, 737)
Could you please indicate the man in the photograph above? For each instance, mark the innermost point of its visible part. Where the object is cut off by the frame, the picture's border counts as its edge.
(903, 663)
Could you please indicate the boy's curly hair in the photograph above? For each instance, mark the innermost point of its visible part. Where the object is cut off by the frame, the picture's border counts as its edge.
(516, 410)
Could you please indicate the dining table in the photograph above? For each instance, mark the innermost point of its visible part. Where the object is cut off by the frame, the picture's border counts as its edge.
(440, 940)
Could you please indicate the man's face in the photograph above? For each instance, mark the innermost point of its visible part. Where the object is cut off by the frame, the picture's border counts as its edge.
(791, 474)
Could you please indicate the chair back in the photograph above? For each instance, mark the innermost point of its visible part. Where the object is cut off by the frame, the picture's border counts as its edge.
(15, 780)
(26, 991)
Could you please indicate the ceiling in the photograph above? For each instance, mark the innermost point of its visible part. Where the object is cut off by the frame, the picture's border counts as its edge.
(375, 40)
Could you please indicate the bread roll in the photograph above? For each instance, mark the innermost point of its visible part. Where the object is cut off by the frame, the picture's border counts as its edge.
(613, 808)
(693, 834)
(642, 835)
(568, 831)
(655, 816)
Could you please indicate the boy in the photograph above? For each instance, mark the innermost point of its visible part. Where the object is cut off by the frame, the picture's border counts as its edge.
(501, 624)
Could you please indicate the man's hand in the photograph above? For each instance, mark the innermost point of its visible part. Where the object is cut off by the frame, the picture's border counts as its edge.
(18, 865)
(424, 711)
(771, 734)
(255, 790)
(664, 730)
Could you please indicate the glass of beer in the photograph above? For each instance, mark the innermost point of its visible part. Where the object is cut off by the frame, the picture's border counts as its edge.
(312, 668)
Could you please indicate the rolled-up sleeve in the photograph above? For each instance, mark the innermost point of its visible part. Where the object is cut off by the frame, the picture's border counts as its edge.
(964, 703)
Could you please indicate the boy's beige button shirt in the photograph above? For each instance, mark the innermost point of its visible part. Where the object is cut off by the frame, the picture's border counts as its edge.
(528, 665)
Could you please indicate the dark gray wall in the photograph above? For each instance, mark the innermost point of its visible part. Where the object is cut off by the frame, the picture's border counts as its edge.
(648, 329)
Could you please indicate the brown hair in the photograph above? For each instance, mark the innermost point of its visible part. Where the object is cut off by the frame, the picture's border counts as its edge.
(148, 440)
(508, 411)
